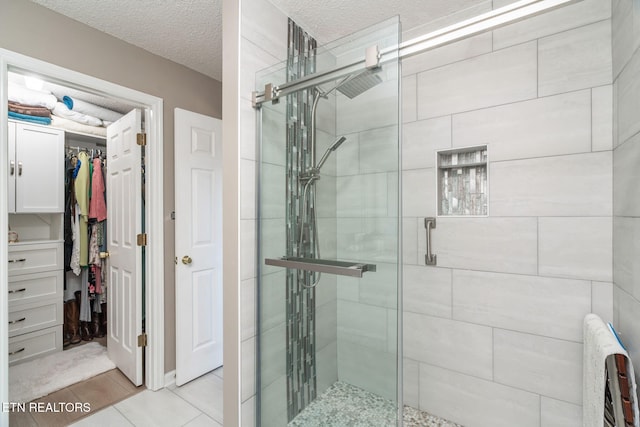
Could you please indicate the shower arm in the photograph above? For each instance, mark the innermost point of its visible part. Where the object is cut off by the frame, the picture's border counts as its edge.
(496, 18)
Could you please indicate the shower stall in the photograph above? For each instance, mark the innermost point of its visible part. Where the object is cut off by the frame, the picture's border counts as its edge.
(329, 227)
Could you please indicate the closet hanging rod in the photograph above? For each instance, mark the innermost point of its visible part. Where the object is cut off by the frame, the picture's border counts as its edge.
(485, 22)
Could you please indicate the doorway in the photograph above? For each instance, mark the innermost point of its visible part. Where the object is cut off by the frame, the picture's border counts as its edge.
(153, 268)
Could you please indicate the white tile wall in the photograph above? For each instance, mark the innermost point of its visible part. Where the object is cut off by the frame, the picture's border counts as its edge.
(474, 402)
(248, 371)
(628, 326)
(348, 156)
(602, 118)
(628, 100)
(421, 139)
(409, 99)
(454, 52)
(380, 288)
(379, 150)
(602, 300)
(419, 192)
(361, 196)
(247, 189)
(374, 371)
(458, 346)
(253, 59)
(575, 59)
(362, 324)
(262, 22)
(536, 305)
(410, 241)
(427, 290)
(497, 78)
(556, 413)
(547, 366)
(575, 247)
(327, 366)
(488, 244)
(626, 252)
(248, 244)
(248, 312)
(574, 185)
(626, 175)
(553, 22)
(411, 382)
(540, 127)
(622, 34)
(380, 102)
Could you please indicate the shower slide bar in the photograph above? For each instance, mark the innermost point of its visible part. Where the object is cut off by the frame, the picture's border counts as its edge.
(485, 22)
(340, 268)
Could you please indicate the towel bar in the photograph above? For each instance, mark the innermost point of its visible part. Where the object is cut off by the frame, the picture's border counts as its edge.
(341, 268)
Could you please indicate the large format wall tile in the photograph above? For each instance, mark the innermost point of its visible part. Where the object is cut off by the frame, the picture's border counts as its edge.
(574, 185)
(427, 290)
(497, 78)
(421, 139)
(579, 248)
(409, 99)
(267, 26)
(626, 253)
(541, 127)
(626, 176)
(491, 244)
(602, 118)
(411, 382)
(459, 346)
(575, 59)
(602, 300)
(532, 304)
(555, 21)
(377, 107)
(475, 402)
(556, 413)
(419, 192)
(622, 34)
(379, 150)
(546, 366)
(454, 52)
(362, 324)
(628, 325)
(374, 371)
(628, 99)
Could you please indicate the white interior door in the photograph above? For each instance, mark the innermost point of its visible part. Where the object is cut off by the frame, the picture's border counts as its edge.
(198, 208)
(124, 222)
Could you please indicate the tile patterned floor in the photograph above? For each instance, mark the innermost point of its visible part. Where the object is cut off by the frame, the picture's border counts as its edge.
(115, 402)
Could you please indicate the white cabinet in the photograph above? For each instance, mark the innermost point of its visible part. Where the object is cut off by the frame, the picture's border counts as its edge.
(35, 300)
(36, 169)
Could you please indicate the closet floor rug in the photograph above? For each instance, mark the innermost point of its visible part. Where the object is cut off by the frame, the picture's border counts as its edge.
(37, 378)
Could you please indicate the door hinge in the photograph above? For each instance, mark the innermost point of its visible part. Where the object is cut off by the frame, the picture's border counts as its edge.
(142, 340)
(142, 139)
(142, 239)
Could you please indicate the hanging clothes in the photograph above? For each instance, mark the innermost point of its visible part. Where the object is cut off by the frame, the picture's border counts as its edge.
(97, 205)
(82, 186)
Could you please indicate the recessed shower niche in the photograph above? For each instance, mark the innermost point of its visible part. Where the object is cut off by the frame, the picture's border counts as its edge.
(463, 181)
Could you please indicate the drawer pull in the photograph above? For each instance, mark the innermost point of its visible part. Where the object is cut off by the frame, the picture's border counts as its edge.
(17, 260)
(11, 322)
(11, 353)
(15, 291)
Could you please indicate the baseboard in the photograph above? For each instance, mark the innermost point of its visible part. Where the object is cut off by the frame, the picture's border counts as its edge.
(170, 378)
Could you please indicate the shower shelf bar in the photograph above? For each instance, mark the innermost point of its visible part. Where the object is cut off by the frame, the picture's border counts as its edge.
(485, 22)
(340, 268)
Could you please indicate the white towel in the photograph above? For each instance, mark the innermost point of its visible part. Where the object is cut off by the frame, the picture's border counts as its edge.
(95, 110)
(599, 343)
(61, 110)
(38, 98)
(70, 125)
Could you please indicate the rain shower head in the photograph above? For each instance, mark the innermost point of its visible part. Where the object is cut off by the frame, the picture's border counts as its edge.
(355, 85)
(338, 142)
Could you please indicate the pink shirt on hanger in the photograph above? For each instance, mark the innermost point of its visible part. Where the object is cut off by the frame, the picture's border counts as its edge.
(97, 205)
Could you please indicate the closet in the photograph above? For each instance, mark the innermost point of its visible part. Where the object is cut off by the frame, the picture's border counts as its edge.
(57, 248)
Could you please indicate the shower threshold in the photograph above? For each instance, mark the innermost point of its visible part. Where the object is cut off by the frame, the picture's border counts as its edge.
(340, 268)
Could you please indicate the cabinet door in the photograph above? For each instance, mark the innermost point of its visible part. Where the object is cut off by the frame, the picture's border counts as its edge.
(39, 169)
(11, 185)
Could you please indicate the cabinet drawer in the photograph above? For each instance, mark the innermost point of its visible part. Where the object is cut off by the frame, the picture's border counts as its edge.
(35, 258)
(31, 317)
(36, 344)
(30, 288)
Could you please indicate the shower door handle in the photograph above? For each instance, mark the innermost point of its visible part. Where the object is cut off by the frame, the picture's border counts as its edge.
(430, 258)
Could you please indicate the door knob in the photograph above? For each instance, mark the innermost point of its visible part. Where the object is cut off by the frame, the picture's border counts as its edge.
(186, 260)
(104, 255)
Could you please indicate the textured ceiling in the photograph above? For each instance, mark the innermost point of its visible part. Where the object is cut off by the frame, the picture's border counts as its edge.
(189, 32)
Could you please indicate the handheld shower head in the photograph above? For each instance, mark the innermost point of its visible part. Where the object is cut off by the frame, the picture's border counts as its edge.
(333, 147)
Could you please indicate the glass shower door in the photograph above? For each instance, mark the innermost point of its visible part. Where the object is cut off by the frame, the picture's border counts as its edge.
(329, 257)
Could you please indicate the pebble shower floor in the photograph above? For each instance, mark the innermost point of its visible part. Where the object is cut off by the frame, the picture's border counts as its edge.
(344, 405)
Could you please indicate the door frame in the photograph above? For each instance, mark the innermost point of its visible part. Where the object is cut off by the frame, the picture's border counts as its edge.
(154, 203)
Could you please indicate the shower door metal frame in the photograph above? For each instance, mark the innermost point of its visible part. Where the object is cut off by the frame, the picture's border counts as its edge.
(497, 18)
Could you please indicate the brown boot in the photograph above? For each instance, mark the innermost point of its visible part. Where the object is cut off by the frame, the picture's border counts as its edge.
(85, 330)
(95, 325)
(66, 337)
(72, 321)
(104, 318)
